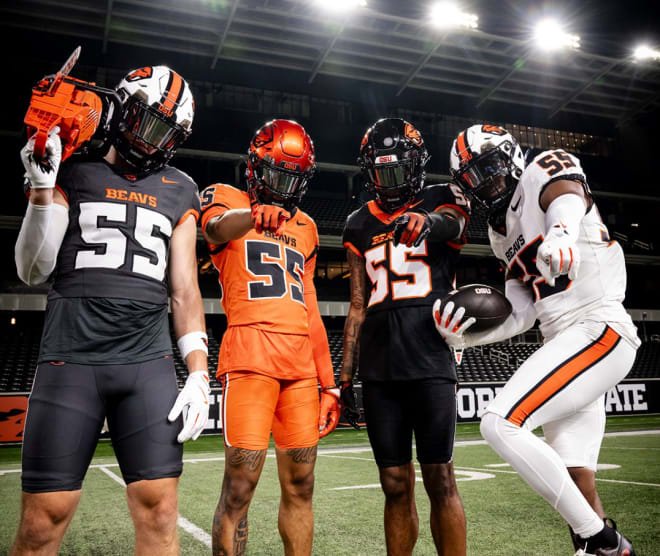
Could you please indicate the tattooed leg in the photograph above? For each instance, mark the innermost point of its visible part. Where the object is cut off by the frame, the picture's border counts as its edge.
(295, 468)
(230, 522)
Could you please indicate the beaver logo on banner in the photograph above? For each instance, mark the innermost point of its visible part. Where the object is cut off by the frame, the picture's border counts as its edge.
(13, 410)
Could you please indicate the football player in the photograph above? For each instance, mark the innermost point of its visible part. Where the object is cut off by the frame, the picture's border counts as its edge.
(274, 354)
(402, 249)
(116, 233)
(562, 269)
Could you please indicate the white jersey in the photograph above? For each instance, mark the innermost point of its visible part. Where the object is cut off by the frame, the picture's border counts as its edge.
(599, 289)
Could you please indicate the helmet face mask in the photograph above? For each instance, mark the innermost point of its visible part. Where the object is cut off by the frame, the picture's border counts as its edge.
(392, 159)
(156, 119)
(149, 129)
(489, 169)
(281, 162)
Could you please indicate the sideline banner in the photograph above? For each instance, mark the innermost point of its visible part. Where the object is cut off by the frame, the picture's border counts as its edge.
(630, 397)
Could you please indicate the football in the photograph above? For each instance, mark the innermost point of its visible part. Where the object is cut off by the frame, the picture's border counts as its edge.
(486, 304)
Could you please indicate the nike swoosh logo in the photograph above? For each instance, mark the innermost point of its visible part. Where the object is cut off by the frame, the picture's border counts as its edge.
(301, 223)
(165, 180)
(514, 208)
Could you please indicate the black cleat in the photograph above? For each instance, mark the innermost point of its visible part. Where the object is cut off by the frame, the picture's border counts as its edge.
(623, 547)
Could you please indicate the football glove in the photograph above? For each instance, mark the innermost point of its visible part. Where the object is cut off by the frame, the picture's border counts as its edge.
(411, 228)
(349, 404)
(449, 325)
(269, 218)
(41, 173)
(558, 255)
(193, 403)
(329, 412)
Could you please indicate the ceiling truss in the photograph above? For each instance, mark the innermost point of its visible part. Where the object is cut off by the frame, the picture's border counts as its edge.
(366, 46)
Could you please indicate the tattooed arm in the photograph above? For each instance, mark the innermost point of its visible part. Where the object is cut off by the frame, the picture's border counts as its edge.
(356, 314)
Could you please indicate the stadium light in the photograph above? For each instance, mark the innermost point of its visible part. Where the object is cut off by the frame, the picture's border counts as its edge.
(645, 52)
(340, 5)
(549, 35)
(447, 15)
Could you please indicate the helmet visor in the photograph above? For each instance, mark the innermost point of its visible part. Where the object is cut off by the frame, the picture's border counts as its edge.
(282, 182)
(485, 176)
(151, 128)
(387, 176)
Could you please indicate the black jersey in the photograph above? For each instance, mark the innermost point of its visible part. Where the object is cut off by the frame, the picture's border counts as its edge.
(398, 339)
(108, 301)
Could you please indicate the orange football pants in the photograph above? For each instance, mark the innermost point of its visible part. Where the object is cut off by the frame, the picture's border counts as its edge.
(255, 404)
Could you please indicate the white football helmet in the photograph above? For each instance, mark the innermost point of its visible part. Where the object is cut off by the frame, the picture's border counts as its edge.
(486, 162)
(157, 116)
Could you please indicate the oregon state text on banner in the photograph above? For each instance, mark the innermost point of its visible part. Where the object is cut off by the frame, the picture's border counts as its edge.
(628, 397)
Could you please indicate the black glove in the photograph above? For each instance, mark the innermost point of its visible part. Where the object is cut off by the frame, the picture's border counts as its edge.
(411, 228)
(349, 404)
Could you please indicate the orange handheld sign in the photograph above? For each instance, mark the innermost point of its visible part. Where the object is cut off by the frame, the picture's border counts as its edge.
(80, 109)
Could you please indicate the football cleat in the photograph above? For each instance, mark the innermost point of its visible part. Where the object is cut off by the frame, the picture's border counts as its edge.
(623, 546)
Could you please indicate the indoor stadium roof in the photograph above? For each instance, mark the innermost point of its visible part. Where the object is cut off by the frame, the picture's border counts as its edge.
(364, 45)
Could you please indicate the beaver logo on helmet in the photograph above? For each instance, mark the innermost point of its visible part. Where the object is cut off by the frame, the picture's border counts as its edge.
(140, 73)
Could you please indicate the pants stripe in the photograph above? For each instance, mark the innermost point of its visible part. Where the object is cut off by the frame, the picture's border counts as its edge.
(562, 375)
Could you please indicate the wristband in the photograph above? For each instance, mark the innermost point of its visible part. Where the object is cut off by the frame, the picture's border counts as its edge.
(192, 341)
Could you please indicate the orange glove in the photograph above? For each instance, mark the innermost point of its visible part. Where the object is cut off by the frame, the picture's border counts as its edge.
(269, 218)
(329, 413)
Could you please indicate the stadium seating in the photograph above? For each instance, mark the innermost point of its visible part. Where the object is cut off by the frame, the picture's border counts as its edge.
(19, 349)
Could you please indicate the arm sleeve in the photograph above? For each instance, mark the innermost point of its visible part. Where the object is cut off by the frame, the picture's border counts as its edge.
(563, 217)
(317, 333)
(39, 241)
(443, 227)
(522, 318)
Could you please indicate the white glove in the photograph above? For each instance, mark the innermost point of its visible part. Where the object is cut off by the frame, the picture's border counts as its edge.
(193, 402)
(558, 255)
(42, 173)
(449, 326)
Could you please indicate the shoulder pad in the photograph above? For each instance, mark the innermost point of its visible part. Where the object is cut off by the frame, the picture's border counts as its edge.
(550, 166)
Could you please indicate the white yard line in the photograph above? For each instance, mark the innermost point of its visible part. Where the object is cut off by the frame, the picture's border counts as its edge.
(189, 527)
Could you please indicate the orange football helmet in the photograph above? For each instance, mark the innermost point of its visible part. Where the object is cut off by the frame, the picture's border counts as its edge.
(280, 164)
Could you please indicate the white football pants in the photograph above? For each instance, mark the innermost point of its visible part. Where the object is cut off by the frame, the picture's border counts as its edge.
(561, 387)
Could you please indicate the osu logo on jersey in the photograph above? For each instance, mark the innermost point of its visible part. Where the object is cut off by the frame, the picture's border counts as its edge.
(140, 73)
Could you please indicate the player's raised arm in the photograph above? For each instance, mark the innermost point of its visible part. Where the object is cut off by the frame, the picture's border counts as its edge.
(565, 203)
(47, 215)
(356, 313)
(230, 225)
(189, 328)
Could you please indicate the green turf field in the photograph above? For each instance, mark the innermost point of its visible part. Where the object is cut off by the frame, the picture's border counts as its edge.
(504, 516)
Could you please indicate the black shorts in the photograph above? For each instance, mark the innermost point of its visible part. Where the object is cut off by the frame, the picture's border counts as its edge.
(403, 344)
(394, 410)
(65, 415)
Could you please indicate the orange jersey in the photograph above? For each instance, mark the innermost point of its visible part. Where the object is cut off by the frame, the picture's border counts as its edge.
(265, 280)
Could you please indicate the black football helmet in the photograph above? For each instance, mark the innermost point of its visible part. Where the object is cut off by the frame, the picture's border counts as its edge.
(392, 159)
